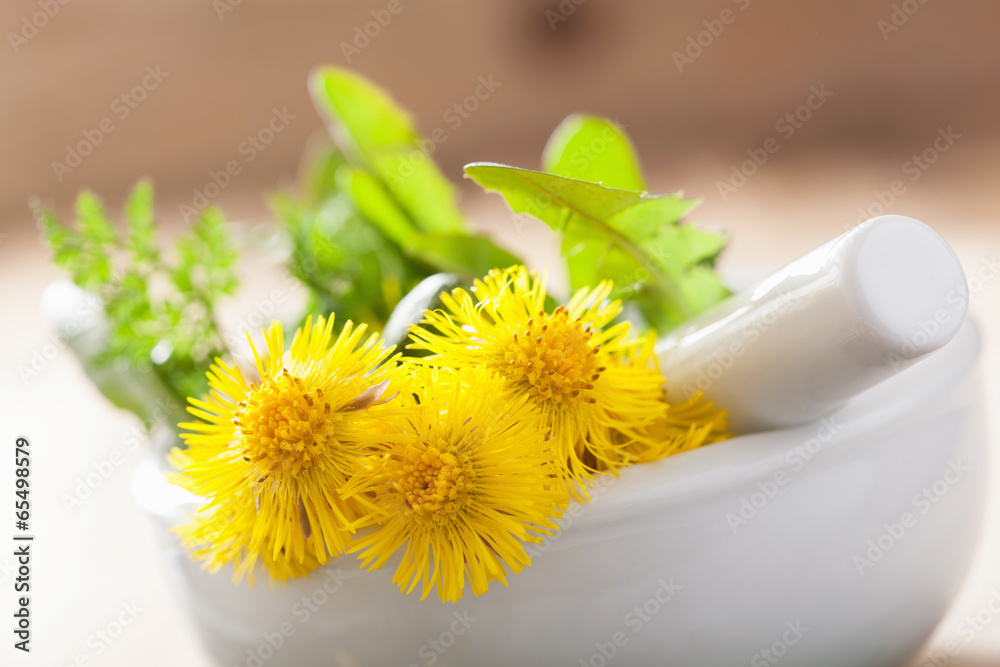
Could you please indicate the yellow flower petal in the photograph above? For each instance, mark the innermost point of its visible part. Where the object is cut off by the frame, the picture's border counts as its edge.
(270, 456)
(461, 493)
(596, 385)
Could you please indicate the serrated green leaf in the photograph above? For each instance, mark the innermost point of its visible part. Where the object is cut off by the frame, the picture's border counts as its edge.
(552, 199)
(683, 245)
(590, 148)
(700, 285)
(380, 136)
(626, 236)
(647, 218)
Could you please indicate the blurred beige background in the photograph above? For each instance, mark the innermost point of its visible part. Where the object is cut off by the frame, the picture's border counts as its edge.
(225, 74)
(211, 72)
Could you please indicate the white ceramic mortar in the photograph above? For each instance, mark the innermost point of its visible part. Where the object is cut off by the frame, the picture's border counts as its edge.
(738, 587)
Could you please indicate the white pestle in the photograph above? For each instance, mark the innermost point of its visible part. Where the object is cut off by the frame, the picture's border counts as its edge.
(838, 320)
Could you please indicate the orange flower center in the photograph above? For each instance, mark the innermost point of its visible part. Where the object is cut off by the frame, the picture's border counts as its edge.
(283, 426)
(550, 357)
(433, 481)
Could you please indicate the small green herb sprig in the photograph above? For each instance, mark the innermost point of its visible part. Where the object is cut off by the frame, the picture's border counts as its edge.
(160, 311)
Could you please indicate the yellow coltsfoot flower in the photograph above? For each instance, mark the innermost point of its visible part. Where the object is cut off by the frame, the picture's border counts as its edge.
(597, 388)
(681, 427)
(464, 486)
(277, 442)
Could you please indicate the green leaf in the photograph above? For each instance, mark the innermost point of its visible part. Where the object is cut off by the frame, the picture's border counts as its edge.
(379, 135)
(98, 239)
(94, 224)
(378, 205)
(206, 257)
(683, 245)
(699, 284)
(348, 264)
(626, 236)
(590, 148)
(647, 219)
(140, 225)
(470, 256)
(64, 242)
(318, 173)
(367, 114)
